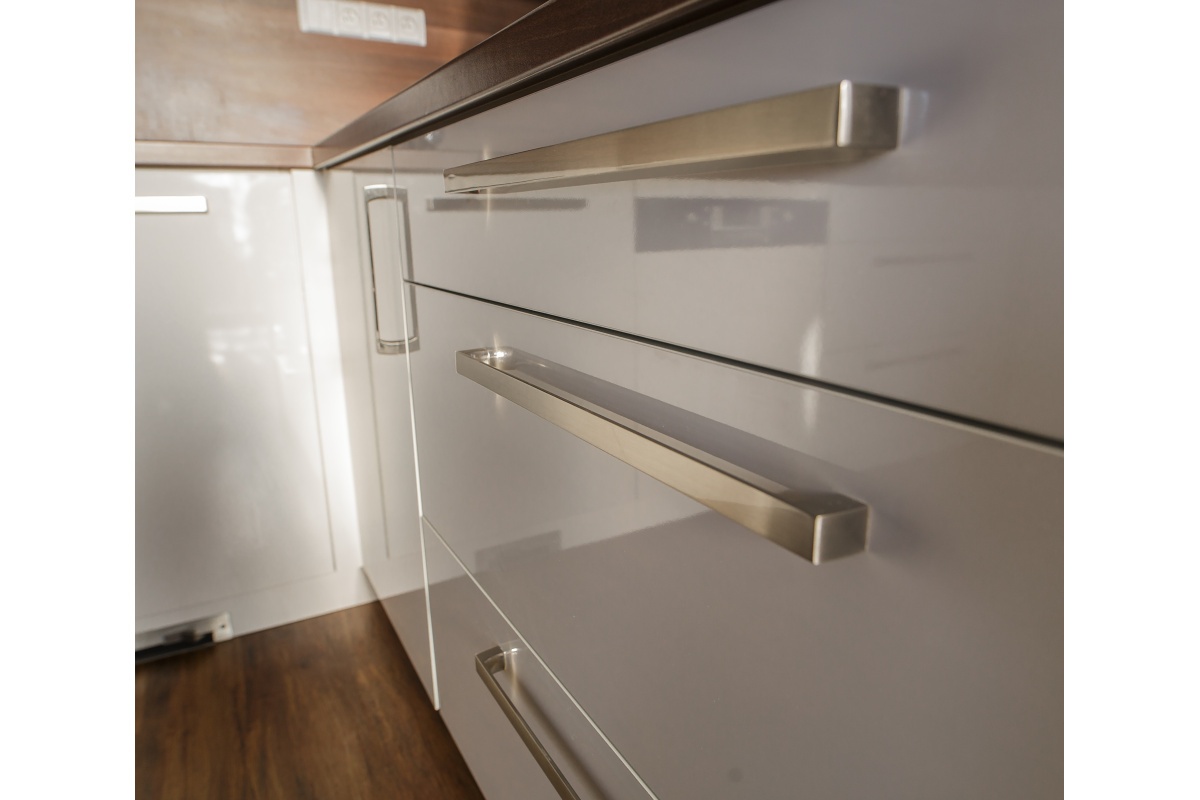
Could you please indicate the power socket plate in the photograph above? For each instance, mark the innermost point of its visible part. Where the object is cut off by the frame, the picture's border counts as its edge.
(355, 19)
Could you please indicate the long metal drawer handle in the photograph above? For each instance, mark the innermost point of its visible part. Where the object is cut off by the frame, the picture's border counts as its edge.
(487, 664)
(818, 526)
(842, 122)
(380, 191)
(171, 204)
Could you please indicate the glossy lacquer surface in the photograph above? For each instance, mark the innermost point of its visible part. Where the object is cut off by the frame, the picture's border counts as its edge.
(465, 624)
(931, 274)
(231, 494)
(719, 664)
(369, 260)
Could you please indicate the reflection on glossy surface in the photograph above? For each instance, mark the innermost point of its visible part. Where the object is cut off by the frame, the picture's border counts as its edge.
(465, 624)
(937, 651)
(701, 223)
(370, 228)
(230, 483)
(937, 277)
(704, 460)
(237, 188)
(489, 203)
(926, 295)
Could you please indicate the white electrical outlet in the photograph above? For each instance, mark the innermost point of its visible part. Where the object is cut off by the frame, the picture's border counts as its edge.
(355, 19)
(380, 22)
(325, 17)
(351, 20)
(410, 26)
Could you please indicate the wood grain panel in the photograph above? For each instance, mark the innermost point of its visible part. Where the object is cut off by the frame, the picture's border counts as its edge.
(555, 42)
(202, 154)
(240, 71)
(325, 708)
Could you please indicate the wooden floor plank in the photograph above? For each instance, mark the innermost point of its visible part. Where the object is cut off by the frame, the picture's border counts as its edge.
(325, 708)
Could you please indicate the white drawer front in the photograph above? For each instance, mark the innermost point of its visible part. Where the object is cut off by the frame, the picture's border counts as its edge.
(931, 274)
(465, 625)
(717, 662)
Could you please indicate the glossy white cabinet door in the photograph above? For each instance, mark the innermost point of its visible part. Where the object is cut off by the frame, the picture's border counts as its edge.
(931, 274)
(465, 624)
(719, 664)
(369, 260)
(231, 490)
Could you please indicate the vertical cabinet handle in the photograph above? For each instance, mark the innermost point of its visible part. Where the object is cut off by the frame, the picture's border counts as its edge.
(495, 660)
(394, 345)
(818, 526)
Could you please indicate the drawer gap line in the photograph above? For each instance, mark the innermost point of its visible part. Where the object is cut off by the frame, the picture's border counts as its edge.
(971, 423)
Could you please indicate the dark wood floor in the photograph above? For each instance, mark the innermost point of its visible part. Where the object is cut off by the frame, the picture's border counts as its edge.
(325, 708)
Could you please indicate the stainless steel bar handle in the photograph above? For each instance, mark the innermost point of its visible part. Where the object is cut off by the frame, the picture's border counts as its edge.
(495, 660)
(818, 526)
(171, 204)
(379, 192)
(841, 122)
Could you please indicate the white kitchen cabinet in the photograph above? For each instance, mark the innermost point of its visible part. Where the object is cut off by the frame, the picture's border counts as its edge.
(883, 337)
(720, 664)
(466, 627)
(929, 275)
(244, 495)
(370, 252)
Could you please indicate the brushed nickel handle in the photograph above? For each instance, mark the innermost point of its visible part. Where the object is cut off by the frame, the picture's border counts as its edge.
(818, 526)
(378, 192)
(497, 659)
(842, 122)
(170, 204)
